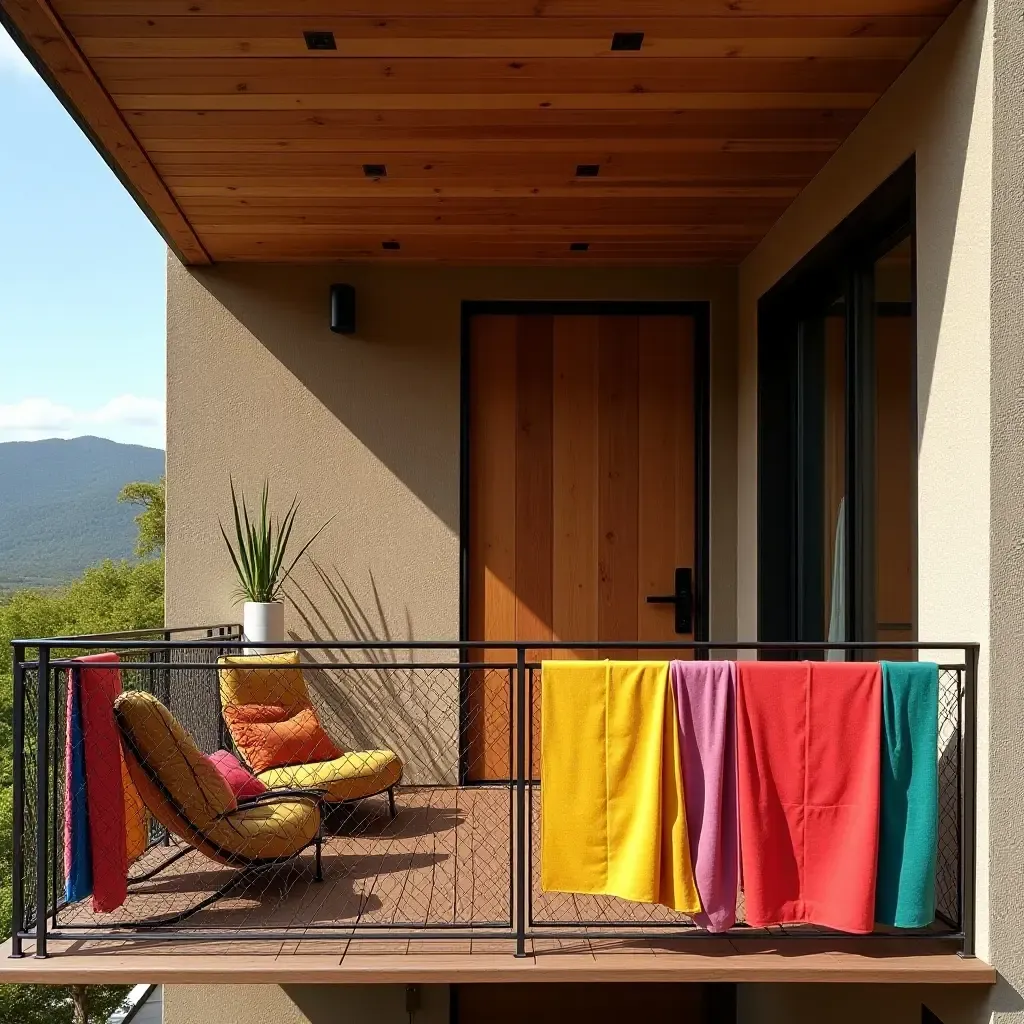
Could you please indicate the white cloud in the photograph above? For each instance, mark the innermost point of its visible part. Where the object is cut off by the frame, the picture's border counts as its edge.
(127, 418)
(11, 58)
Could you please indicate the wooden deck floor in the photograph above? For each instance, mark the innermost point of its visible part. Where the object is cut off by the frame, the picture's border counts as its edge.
(444, 862)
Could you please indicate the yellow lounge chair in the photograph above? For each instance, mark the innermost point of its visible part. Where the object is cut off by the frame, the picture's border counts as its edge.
(188, 796)
(273, 725)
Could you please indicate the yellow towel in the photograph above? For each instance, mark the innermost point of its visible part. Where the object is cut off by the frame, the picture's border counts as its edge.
(612, 810)
(136, 818)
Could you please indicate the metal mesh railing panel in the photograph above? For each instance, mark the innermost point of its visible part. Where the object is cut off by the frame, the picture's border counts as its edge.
(392, 769)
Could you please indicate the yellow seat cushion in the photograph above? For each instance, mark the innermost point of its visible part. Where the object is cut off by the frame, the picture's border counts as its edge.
(259, 688)
(188, 796)
(349, 777)
(268, 712)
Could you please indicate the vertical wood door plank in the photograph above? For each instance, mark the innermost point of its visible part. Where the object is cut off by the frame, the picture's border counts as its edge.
(492, 538)
(685, 409)
(575, 500)
(666, 468)
(618, 482)
(534, 504)
(534, 508)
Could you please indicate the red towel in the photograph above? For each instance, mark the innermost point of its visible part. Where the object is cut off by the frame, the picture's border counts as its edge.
(808, 737)
(103, 781)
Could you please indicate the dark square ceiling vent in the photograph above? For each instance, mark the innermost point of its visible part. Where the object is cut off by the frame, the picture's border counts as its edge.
(588, 170)
(627, 40)
(375, 170)
(319, 40)
(579, 246)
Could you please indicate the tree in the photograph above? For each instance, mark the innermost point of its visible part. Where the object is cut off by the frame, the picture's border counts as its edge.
(109, 597)
(151, 497)
(54, 1004)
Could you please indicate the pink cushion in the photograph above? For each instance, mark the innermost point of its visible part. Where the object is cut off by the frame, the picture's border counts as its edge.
(240, 782)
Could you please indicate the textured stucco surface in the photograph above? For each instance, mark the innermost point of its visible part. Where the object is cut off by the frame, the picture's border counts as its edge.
(366, 429)
(959, 109)
(302, 1004)
(1006, 631)
(847, 1004)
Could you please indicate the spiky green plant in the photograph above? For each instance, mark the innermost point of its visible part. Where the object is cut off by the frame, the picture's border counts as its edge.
(261, 544)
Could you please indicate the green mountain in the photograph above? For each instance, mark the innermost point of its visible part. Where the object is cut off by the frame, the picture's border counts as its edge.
(59, 512)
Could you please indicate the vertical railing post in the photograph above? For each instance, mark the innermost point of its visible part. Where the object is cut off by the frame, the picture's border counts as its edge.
(521, 830)
(164, 696)
(18, 867)
(42, 796)
(969, 838)
(55, 793)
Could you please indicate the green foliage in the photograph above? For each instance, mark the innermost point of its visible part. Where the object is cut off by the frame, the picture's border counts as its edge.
(151, 519)
(52, 1004)
(110, 597)
(260, 547)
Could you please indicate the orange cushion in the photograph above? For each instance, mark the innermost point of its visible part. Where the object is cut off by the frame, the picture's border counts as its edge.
(271, 736)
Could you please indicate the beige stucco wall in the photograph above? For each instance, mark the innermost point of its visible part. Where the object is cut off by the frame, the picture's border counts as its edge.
(302, 1004)
(971, 470)
(366, 429)
(1005, 703)
(850, 1004)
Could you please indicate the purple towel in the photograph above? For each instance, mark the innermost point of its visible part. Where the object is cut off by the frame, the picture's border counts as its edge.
(705, 695)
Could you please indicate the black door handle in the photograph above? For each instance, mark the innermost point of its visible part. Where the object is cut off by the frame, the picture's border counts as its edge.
(682, 598)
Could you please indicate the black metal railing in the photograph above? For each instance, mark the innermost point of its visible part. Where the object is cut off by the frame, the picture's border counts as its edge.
(438, 837)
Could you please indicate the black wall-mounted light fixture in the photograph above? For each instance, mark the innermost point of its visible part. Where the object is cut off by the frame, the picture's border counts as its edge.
(343, 309)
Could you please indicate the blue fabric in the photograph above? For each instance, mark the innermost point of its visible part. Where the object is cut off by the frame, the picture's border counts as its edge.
(78, 885)
(909, 809)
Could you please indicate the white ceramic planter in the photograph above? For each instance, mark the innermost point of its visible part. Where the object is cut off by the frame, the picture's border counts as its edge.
(263, 623)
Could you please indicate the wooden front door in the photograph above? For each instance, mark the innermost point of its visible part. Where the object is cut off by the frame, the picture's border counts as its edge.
(582, 493)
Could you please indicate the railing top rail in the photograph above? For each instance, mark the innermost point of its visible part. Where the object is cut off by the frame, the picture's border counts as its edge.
(112, 641)
(125, 634)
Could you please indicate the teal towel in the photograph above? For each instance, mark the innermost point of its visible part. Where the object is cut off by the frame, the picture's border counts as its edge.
(908, 837)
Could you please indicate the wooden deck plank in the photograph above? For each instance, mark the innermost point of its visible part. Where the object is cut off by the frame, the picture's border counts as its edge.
(491, 839)
(377, 966)
(445, 860)
(441, 906)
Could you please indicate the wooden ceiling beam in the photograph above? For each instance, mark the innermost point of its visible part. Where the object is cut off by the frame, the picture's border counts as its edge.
(73, 80)
(369, 147)
(832, 124)
(310, 74)
(527, 9)
(477, 101)
(497, 36)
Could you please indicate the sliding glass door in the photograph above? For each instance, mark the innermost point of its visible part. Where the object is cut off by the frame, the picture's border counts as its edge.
(838, 440)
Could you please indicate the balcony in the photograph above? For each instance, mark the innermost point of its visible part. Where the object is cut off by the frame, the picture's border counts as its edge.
(448, 886)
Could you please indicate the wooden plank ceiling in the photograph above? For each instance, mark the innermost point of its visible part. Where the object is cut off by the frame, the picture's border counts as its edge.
(500, 131)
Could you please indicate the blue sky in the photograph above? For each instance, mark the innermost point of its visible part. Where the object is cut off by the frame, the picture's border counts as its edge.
(81, 280)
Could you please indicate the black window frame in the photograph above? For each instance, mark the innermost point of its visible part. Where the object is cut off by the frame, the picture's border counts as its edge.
(790, 591)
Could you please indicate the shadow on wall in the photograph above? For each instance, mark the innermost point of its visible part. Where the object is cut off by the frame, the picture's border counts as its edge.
(940, 189)
(394, 385)
(372, 699)
(369, 1004)
(954, 1005)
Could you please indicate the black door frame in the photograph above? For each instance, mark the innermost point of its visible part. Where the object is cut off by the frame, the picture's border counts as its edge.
(841, 264)
(701, 314)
